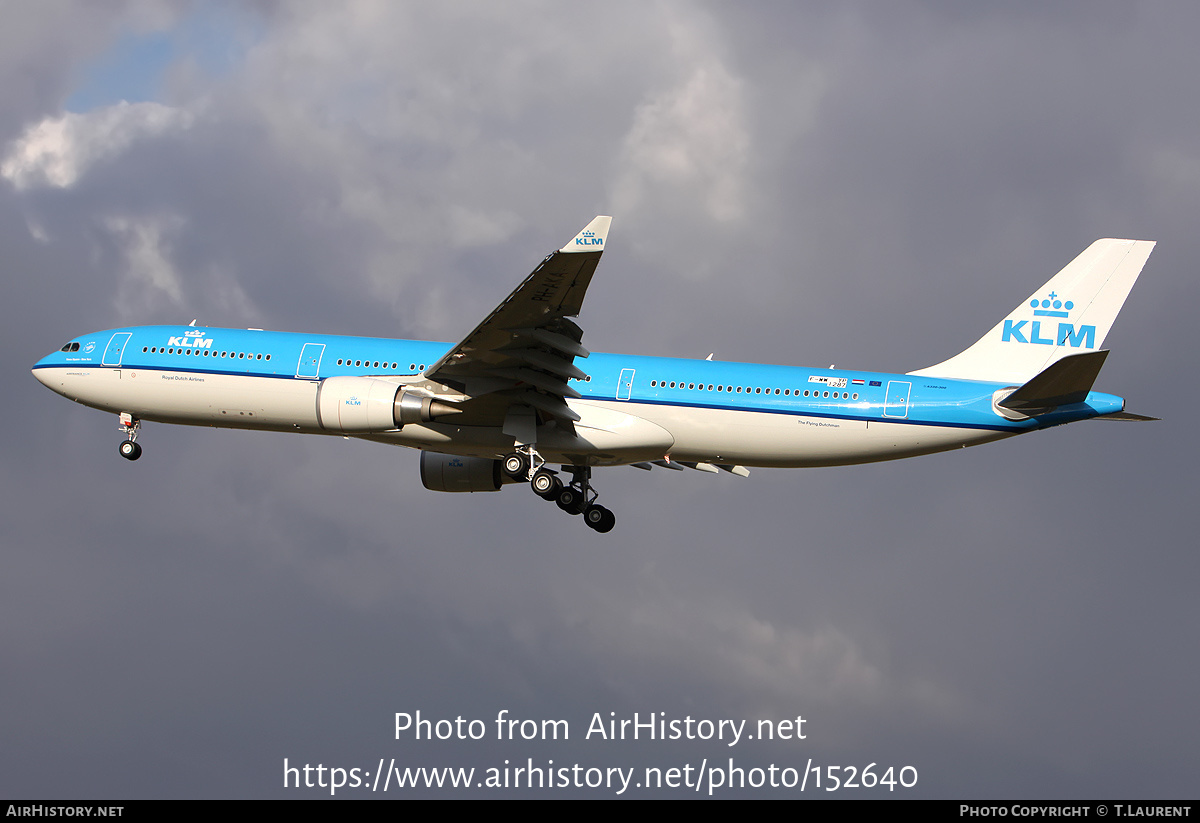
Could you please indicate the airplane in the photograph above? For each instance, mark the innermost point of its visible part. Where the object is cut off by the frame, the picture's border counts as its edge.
(513, 397)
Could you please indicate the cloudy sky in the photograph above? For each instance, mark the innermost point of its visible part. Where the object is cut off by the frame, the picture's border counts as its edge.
(867, 184)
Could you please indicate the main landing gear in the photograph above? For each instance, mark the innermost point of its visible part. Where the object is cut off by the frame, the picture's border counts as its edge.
(130, 449)
(578, 497)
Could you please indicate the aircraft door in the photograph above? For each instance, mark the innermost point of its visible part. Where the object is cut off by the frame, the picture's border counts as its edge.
(310, 360)
(625, 384)
(115, 349)
(896, 402)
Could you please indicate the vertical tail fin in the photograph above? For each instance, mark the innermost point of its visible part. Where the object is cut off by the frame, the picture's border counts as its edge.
(1071, 314)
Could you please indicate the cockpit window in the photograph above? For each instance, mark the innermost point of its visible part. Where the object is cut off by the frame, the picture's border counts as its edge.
(70, 347)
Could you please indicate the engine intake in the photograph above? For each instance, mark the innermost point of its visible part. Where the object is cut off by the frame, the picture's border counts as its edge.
(368, 405)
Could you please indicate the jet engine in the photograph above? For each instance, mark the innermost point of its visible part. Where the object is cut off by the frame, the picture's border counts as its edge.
(449, 473)
(367, 404)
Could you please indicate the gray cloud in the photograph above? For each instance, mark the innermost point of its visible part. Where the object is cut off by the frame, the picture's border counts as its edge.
(866, 186)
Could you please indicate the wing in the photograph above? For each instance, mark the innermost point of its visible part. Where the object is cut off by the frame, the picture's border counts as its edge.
(523, 353)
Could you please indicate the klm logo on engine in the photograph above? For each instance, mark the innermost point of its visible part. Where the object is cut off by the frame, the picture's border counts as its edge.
(589, 238)
(352, 400)
(1066, 334)
(193, 339)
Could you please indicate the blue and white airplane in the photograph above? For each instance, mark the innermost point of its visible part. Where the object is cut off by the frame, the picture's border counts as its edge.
(520, 392)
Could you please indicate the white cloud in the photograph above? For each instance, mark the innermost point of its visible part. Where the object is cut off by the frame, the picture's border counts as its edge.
(148, 275)
(689, 139)
(59, 150)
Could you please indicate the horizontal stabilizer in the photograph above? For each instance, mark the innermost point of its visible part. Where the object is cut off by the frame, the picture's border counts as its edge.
(1127, 416)
(1062, 383)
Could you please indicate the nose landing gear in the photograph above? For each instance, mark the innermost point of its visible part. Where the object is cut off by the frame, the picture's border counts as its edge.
(130, 449)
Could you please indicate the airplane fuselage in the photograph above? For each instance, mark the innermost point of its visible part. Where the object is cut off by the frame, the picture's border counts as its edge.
(632, 408)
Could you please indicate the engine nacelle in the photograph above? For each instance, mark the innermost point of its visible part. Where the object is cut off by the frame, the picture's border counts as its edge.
(368, 405)
(449, 473)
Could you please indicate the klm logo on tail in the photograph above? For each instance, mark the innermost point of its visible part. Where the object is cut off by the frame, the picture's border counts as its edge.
(1015, 332)
(589, 238)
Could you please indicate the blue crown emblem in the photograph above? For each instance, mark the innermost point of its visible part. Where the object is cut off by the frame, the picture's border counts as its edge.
(1051, 306)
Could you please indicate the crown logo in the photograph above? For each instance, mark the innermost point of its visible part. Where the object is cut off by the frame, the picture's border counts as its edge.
(193, 333)
(1051, 306)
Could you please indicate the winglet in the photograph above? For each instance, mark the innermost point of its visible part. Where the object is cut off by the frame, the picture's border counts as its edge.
(591, 238)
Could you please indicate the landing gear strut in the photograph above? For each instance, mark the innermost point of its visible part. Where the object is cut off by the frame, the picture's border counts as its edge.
(523, 464)
(130, 449)
(580, 498)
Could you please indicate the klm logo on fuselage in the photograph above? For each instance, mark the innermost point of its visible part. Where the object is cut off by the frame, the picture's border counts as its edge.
(589, 238)
(192, 339)
(1066, 334)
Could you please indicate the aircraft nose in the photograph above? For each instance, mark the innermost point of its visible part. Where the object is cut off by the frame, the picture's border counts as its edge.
(42, 371)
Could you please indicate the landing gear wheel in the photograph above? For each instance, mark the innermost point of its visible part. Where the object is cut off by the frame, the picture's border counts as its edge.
(516, 466)
(570, 500)
(546, 485)
(599, 519)
(131, 450)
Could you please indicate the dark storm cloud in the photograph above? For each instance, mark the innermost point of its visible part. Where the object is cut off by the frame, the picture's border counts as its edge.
(861, 185)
